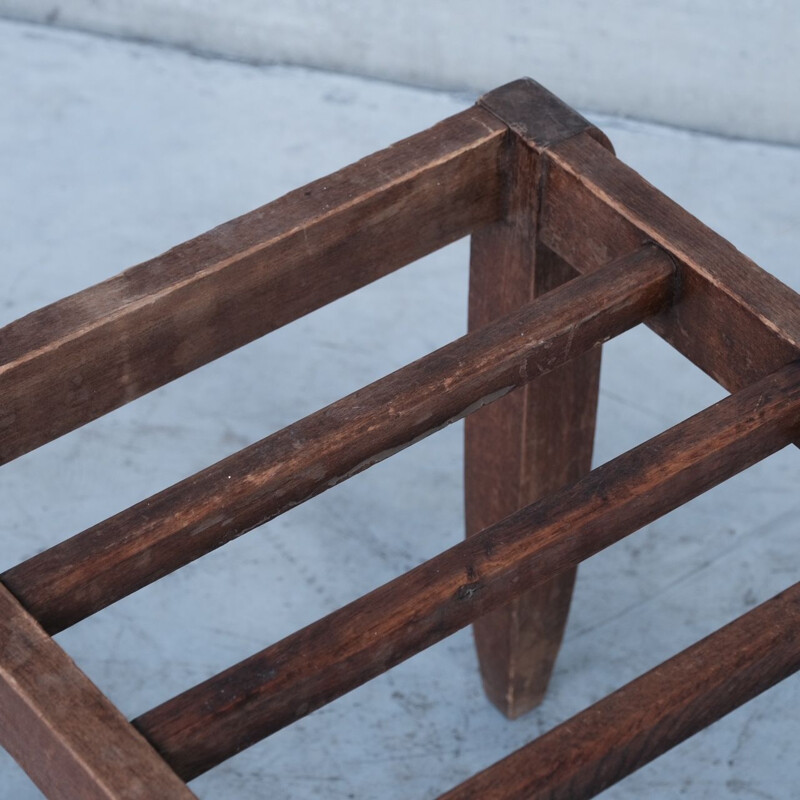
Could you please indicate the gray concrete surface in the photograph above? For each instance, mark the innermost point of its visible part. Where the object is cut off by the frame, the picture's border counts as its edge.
(110, 152)
(726, 66)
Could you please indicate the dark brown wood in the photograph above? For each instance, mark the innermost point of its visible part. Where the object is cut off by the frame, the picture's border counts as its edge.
(731, 318)
(530, 443)
(61, 729)
(647, 717)
(93, 569)
(271, 689)
(83, 356)
(537, 116)
(545, 200)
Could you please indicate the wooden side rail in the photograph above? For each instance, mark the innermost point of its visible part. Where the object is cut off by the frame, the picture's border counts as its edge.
(727, 303)
(218, 718)
(75, 360)
(80, 576)
(569, 248)
(594, 208)
(629, 728)
(61, 728)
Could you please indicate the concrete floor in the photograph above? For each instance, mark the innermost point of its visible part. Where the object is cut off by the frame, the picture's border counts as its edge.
(110, 152)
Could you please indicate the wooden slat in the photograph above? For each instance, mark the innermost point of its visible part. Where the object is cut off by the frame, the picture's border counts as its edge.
(212, 721)
(83, 356)
(91, 570)
(648, 716)
(530, 443)
(56, 723)
(731, 318)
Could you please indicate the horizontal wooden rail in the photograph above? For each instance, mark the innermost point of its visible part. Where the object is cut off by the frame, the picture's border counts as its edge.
(91, 570)
(645, 718)
(595, 208)
(62, 730)
(210, 722)
(85, 355)
(732, 319)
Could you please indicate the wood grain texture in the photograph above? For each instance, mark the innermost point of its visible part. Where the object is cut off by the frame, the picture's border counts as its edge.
(731, 318)
(533, 441)
(84, 356)
(545, 200)
(614, 737)
(114, 558)
(56, 723)
(212, 721)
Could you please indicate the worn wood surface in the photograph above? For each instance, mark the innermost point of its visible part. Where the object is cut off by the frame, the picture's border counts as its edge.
(533, 441)
(212, 721)
(537, 116)
(93, 569)
(83, 356)
(731, 318)
(544, 198)
(648, 716)
(62, 730)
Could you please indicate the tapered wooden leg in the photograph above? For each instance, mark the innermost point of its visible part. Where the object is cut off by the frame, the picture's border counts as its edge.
(526, 445)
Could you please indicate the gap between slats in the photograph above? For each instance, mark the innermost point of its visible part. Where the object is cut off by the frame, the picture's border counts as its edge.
(216, 719)
(80, 576)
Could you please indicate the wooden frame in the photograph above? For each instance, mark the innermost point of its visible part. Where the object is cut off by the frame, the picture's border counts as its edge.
(569, 248)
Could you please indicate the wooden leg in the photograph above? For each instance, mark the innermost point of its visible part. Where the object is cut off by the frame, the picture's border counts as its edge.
(526, 445)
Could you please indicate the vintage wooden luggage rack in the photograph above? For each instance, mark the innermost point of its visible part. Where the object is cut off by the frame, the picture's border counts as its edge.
(569, 248)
